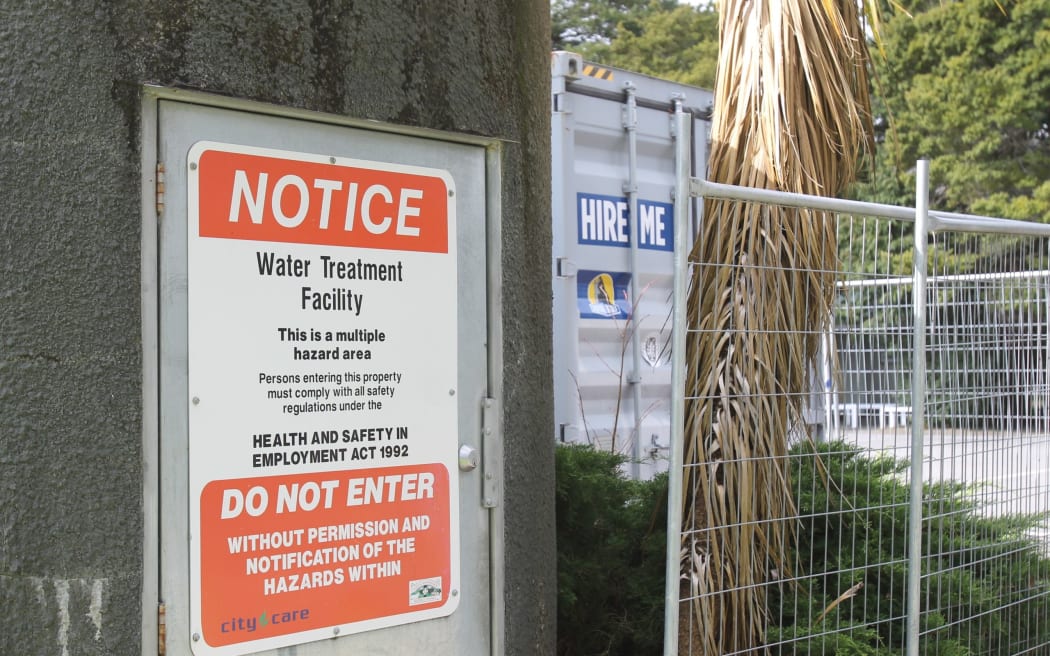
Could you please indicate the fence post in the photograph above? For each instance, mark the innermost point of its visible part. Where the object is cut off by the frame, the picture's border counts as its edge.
(682, 133)
(918, 401)
(831, 412)
(1044, 388)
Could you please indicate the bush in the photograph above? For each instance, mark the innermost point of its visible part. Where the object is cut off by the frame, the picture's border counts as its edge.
(985, 586)
(984, 583)
(611, 535)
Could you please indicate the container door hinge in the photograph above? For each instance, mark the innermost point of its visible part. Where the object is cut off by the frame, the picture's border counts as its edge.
(566, 268)
(629, 112)
(567, 433)
(162, 630)
(491, 458)
(160, 188)
(677, 98)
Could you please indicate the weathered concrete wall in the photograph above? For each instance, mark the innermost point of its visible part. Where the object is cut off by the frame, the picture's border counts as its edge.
(71, 467)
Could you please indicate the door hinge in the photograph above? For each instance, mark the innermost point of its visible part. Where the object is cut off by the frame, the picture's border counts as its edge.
(162, 630)
(491, 458)
(159, 192)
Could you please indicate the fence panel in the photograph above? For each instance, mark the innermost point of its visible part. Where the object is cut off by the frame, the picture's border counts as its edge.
(841, 583)
(986, 454)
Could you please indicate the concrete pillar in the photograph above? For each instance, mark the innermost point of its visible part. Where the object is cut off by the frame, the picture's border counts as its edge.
(71, 456)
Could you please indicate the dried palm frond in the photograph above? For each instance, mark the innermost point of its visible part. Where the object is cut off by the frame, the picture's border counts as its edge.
(791, 114)
(848, 594)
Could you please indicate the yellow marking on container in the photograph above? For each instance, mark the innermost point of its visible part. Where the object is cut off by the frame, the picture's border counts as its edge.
(597, 71)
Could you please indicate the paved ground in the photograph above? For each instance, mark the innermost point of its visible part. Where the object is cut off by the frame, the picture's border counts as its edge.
(1007, 472)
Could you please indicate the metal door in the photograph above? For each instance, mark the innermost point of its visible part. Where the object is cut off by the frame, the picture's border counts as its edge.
(323, 369)
(615, 162)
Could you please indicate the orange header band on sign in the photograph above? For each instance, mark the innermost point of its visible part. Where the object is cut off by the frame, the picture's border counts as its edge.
(246, 196)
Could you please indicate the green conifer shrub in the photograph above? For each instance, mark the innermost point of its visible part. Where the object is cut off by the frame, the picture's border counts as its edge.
(985, 585)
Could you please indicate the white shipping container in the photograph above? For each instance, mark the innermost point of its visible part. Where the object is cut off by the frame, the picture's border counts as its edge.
(613, 165)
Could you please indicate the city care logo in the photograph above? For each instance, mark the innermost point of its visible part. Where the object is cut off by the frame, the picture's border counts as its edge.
(253, 624)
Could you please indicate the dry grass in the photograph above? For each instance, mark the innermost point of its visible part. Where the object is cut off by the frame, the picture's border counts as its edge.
(792, 114)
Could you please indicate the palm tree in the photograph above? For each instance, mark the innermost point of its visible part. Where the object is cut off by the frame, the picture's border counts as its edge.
(792, 114)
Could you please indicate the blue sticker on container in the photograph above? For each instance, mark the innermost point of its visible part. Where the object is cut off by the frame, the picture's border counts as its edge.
(603, 294)
(602, 221)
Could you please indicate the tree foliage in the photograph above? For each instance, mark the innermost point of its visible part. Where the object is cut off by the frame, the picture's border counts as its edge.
(661, 38)
(577, 23)
(967, 85)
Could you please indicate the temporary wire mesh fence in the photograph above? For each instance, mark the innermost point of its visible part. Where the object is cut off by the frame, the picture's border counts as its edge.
(986, 453)
(978, 580)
